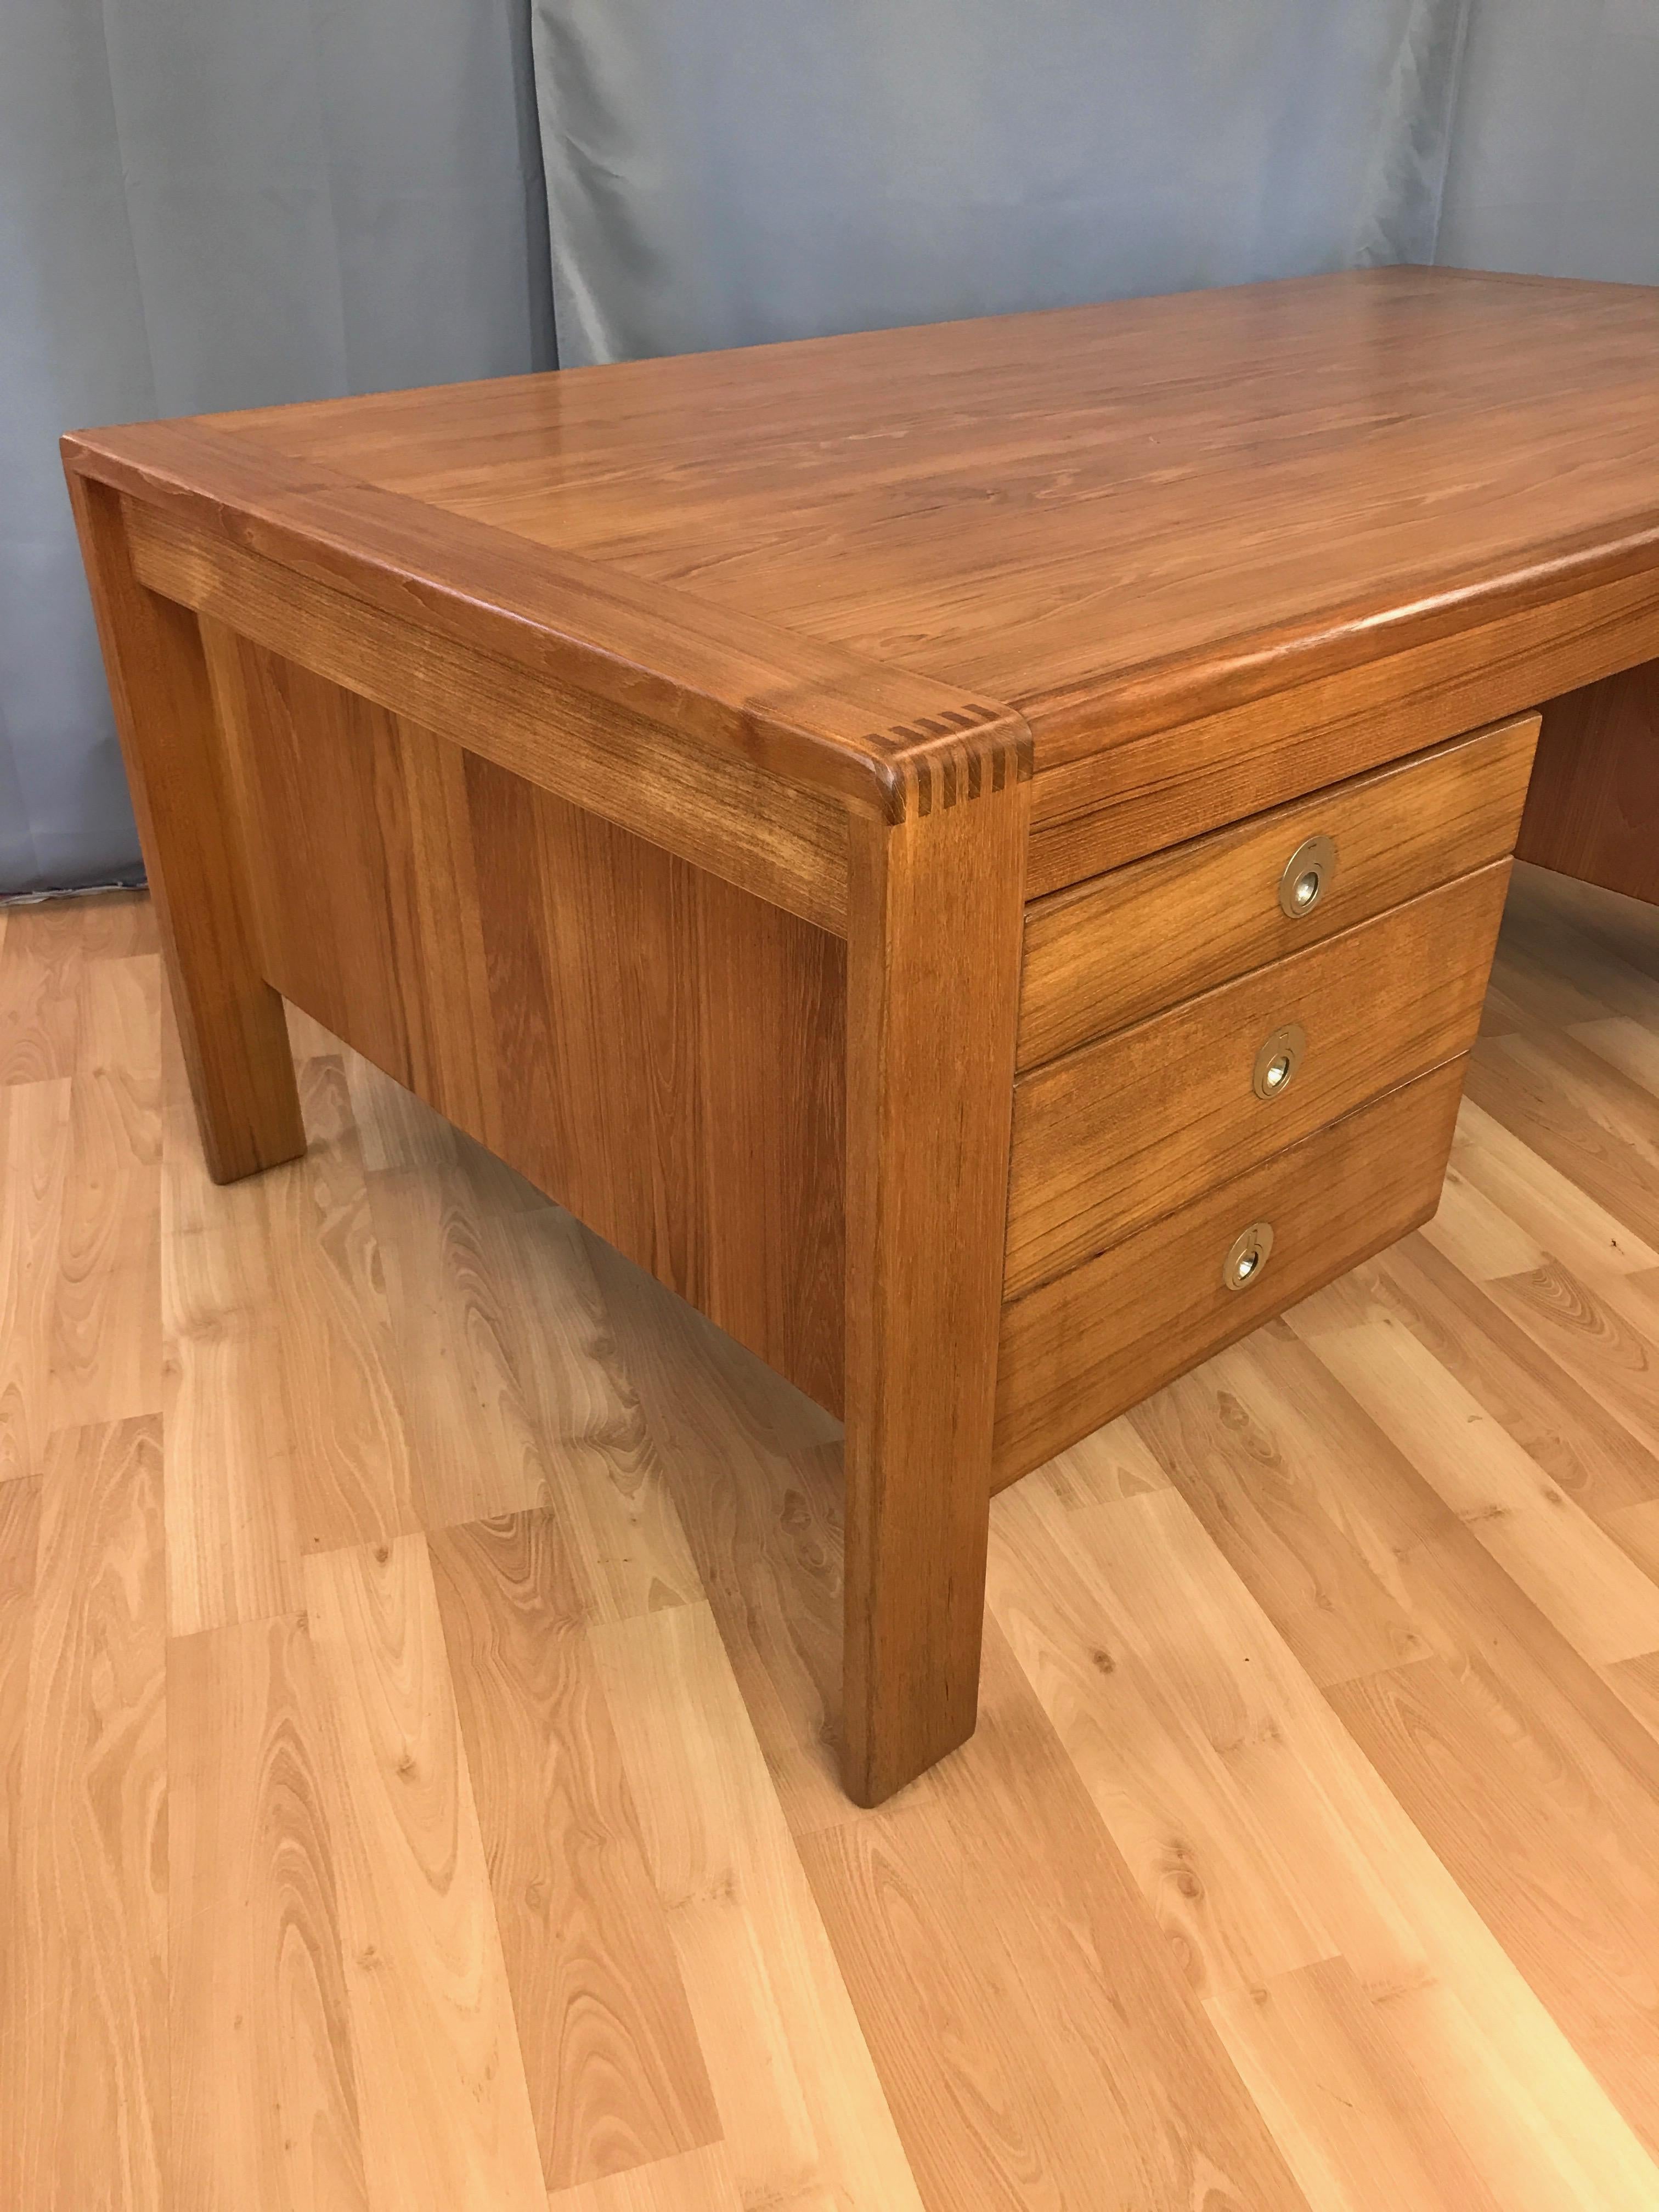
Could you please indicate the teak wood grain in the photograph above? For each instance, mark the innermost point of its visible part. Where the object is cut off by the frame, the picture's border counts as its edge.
(1110, 951)
(1127, 1128)
(1135, 797)
(806, 553)
(1119, 518)
(649, 764)
(230, 1019)
(1094, 1342)
(1593, 809)
(802, 712)
(780, 841)
(583, 1002)
(932, 987)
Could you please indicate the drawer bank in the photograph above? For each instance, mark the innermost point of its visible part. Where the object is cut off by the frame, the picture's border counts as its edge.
(972, 852)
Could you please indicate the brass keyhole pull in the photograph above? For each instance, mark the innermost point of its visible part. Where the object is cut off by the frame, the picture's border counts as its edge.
(1278, 1061)
(1247, 1255)
(1308, 876)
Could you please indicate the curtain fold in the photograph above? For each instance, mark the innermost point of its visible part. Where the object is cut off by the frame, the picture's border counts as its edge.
(1554, 163)
(726, 171)
(210, 204)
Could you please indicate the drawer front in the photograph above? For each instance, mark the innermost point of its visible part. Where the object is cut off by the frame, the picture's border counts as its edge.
(1131, 1126)
(1081, 1349)
(1110, 952)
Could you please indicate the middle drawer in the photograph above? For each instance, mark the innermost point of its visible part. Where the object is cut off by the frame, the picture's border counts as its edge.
(1134, 1125)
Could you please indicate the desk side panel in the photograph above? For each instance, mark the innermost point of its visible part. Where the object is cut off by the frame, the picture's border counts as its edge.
(1593, 809)
(661, 1051)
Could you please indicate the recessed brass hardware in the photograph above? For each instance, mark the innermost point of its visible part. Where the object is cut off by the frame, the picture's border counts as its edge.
(1247, 1255)
(1307, 873)
(1278, 1061)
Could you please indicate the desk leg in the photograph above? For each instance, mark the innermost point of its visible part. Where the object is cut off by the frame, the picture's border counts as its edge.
(230, 1020)
(1593, 805)
(934, 950)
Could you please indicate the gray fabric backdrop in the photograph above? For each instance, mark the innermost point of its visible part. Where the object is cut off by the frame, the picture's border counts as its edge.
(213, 202)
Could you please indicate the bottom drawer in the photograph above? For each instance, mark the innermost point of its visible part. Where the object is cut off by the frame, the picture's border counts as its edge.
(1084, 1347)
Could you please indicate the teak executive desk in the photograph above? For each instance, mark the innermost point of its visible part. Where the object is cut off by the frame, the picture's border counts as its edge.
(973, 853)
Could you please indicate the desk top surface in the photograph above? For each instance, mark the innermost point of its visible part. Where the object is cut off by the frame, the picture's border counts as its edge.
(1122, 515)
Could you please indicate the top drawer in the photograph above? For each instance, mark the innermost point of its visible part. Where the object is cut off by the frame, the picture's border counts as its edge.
(1101, 954)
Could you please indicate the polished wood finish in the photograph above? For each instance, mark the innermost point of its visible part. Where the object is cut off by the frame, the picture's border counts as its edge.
(230, 1019)
(1112, 951)
(932, 989)
(1593, 811)
(582, 1001)
(1147, 792)
(1094, 1342)
(808, 714)
(648, 764)
(923, 522)
(1303, 1856)
(1225, 468)
(782, 841)
(1112, 1136)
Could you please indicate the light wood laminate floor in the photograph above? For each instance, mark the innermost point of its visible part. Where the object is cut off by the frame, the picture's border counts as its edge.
(417, 1633)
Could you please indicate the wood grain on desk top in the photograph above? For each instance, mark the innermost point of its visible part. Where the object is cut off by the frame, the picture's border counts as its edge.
(1094, 521)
